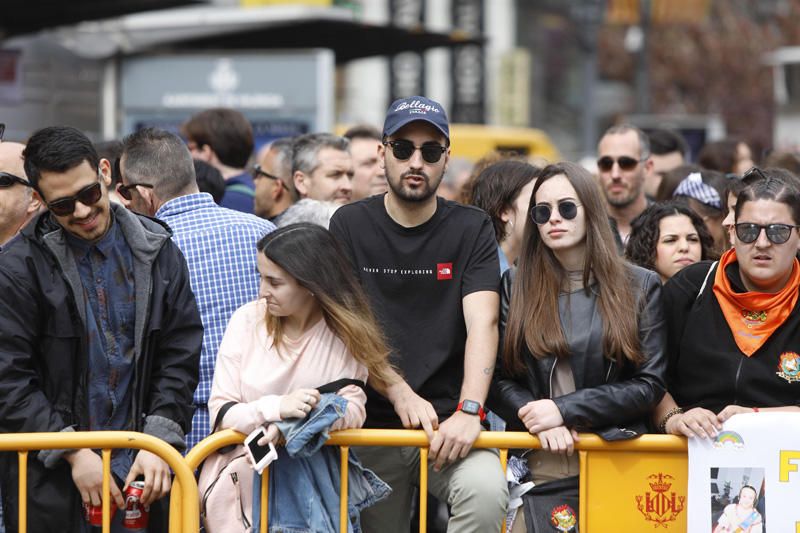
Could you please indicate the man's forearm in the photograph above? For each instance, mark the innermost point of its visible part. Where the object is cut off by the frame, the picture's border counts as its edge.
(480, 356)
(391, 387)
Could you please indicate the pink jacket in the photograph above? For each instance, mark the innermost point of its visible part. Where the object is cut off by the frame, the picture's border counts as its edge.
(250, 371)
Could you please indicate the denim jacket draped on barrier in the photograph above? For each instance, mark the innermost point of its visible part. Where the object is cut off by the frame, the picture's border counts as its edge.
(304, 481)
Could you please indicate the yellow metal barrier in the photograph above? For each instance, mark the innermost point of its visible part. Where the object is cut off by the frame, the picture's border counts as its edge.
(104, 440)
(624, 485)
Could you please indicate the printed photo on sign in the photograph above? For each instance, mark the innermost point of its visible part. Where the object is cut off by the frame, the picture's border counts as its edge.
(738, 500)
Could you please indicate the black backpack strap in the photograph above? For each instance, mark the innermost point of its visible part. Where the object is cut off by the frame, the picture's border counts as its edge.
(217, 421)
(334, 386)
(221, 414)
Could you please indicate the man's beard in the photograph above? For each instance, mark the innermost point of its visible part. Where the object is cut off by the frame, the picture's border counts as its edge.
(419, 194)
(623, 201)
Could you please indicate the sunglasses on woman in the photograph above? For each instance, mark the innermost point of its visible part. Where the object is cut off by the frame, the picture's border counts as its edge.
(606, 163)
(7, 180)
(566, 208)
(89, 195)
(403, 149)
(748, 232)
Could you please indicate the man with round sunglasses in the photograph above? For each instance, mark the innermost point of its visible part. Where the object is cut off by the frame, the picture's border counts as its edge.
(99, 330)
(18, 204)
(430, 269)
(623, 162)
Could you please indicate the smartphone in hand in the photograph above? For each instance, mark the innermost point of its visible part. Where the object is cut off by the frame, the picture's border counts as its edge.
(260, 456)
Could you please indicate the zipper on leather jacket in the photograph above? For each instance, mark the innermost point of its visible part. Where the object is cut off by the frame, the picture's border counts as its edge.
(552, 372)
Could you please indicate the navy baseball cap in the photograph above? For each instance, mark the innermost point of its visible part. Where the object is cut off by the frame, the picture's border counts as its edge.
(406, 110)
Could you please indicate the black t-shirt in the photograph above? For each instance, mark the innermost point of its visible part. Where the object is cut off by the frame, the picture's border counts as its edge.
(706, 367)
(415, 279)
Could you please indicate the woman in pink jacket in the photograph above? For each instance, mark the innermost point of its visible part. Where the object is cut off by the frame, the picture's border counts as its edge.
(311, 326)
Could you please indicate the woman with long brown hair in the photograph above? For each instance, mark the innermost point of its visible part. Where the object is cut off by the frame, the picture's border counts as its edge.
(311, 327)
(583, 336)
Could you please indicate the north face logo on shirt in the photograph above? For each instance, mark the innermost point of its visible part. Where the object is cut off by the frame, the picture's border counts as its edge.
(444, 271)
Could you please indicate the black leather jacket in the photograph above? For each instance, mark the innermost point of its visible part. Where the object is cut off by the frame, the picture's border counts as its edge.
(611, 400)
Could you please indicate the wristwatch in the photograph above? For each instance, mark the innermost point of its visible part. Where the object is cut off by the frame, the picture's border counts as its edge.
(471, 407)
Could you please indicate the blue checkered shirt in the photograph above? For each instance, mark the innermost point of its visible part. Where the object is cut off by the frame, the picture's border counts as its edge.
(219, 245)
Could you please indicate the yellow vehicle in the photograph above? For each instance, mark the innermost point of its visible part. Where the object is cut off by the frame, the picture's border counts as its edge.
(473, 141)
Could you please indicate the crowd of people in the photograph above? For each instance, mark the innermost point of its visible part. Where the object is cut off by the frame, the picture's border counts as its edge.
(160, 283)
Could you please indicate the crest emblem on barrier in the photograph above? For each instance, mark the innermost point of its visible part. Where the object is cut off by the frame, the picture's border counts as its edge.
(661, 506)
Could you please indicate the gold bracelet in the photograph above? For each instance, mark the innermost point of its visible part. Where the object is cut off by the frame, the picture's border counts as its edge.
(662, 426)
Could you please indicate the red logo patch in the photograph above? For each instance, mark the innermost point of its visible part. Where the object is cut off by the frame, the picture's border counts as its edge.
(444, 271)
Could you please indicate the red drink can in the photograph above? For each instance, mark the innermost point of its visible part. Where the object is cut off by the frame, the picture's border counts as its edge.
(136, 514)
(94, 513)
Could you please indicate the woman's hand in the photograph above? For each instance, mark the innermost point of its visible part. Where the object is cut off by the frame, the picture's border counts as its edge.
(559, 440)
(271, 434)
(731, 410)
(697, 422)
(540, 415)
(299, 403)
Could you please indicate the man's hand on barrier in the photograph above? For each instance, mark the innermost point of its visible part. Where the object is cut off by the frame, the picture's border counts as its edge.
(697, 422)
(454, 439)
(540, 415)
(414, 411)
(558, 440)
(157, 477)
(87, 474)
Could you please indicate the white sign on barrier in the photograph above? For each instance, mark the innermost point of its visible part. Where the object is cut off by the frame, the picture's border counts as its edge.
(748, 478)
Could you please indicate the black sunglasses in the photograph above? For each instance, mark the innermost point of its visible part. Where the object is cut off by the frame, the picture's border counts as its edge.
(7, 180)
(89, 195)
(258, 171)
(748, 232)
(125, 190)
(404, 149)
(606, 163)
(566, 208)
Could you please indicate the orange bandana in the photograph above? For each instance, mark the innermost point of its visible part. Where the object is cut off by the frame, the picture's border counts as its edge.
(753, 316)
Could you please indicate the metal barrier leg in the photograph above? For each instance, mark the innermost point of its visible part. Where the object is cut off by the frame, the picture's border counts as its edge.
(23, 491)
(583, 481)
(175, 515)
(423, 490)
(107, 491)
(344, 516)
(264, 500)
(504, 465)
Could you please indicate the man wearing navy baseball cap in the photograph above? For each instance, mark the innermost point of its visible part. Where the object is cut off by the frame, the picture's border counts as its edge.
(430, 269)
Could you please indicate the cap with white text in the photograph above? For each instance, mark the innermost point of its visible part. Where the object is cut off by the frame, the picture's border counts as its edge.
(406, 110)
